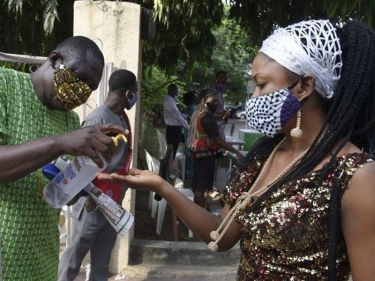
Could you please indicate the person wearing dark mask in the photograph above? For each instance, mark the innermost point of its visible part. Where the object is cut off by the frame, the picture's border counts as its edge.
(92, 232)
(190, 99)
(204, 143)
(221, 115)
(37, 125)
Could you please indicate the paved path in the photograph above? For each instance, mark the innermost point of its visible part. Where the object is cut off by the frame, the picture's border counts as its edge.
(227, 277)
(221, 179)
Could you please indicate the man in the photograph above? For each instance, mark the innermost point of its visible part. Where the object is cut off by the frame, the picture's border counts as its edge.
(37, 125)
(92, 231)
(220, 114)
(173, 119)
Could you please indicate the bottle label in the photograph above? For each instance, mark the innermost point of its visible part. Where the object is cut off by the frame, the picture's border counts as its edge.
(70, 181)
(113, 212)
(120, 219)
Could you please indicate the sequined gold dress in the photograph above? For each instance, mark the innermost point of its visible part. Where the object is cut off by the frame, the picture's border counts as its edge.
(286, 236)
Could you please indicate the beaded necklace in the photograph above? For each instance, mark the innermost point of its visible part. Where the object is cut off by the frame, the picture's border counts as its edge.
(247, 197)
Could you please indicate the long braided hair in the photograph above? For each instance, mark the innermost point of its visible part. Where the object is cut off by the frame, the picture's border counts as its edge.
(350, 117)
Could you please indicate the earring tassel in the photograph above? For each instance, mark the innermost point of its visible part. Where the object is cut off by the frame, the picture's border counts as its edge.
(297, 132)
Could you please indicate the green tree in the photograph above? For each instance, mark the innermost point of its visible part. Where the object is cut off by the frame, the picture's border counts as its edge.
(189, 45)
(184, 28)
(34, 27)
(259, 18)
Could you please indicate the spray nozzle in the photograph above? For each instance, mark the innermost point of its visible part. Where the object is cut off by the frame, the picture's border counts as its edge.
(118, 137)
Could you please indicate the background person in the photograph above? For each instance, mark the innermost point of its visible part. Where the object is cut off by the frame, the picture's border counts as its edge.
(37, 125)
(302, 202)
(174, 120)
(92, 231)
(221, 115)
(204, 145)
(190, 99)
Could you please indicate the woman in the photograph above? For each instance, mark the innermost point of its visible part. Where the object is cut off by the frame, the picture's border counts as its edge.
(204, 143)
(302, 201)
(190, 99)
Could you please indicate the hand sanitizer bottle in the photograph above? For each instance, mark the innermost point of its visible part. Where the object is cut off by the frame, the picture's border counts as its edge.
(118, 217)
(72, 179)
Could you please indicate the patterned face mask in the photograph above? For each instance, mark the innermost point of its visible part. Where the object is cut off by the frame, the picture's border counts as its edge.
(267, 114)
(70, 90)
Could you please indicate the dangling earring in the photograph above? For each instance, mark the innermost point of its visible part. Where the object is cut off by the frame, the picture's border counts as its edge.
(297, 132)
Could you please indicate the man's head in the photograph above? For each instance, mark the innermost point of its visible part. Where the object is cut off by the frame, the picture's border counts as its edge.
(71, 72)
(173, 90)
(190, 97)
(221, 77)
(123, 84)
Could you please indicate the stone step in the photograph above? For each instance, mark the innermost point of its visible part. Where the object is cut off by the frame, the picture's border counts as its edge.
(155, 252)
(181, 272)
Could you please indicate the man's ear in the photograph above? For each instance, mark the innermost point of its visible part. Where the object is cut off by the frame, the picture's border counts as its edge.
(307, 87)
(53, 57)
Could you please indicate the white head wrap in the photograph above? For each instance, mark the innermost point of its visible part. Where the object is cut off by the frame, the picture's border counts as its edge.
(308, 47)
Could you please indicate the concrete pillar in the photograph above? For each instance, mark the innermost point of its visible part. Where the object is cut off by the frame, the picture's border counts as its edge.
(115, 27)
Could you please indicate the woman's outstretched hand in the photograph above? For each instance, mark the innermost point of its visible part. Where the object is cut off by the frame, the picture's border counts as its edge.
(140, 179)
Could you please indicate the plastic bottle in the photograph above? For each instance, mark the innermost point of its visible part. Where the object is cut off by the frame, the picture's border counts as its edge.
(118, 217)
(72, 179)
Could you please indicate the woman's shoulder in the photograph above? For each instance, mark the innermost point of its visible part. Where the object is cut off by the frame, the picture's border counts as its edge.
(355, 158)
(352, 157)
(359, 196)
(345, 166)
(359, 168)
(359, 164)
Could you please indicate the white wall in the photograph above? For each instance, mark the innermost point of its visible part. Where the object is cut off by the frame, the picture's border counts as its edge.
(115, 27)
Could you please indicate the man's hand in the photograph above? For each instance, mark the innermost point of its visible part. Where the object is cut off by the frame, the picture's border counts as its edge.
(90, 204)
(91, 141)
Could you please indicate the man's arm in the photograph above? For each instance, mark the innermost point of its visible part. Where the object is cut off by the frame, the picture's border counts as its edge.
(16, 161)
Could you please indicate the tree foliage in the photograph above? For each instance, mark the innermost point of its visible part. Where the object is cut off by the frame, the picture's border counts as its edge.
(34, 27)
(259, 18)
(193, 40)
(184, 27)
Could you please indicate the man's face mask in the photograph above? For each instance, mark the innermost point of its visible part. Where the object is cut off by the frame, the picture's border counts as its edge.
(70, 90)
(267, 114)
(132, 99)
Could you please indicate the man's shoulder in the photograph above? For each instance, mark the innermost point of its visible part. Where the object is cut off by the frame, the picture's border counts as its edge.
(215, 89)
(15, 84)
(9, 74)
(168, 101)
(98, 113)
(102, 109)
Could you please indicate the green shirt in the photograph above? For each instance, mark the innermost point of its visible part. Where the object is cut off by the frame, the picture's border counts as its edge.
(28, 226)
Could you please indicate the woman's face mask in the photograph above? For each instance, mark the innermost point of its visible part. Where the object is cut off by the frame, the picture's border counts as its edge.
(70, 90)
(267, 114)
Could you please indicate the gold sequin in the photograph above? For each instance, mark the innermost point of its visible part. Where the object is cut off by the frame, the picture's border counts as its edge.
(285, 237)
